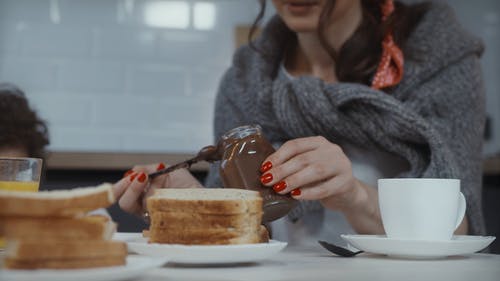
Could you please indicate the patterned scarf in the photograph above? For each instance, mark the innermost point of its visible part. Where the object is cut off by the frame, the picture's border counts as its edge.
(390, 69)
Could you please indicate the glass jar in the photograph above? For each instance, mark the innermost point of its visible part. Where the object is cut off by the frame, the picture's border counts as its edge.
(245, 148)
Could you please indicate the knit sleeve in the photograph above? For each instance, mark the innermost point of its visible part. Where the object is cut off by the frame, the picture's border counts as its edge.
(226, 117)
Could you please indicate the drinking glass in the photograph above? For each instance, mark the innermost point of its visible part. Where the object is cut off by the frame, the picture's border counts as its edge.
(19, 174)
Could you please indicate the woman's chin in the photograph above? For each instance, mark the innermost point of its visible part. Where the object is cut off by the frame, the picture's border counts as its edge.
(302, 26)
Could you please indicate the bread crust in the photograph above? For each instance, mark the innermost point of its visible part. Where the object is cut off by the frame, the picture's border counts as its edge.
(186, 234)
(167, 220)
(215, 207)
(65, 263)
(210, 237)
(263, 234)
(58, 228)
(56, 203)
(165, 200)
(50, 250)
(173, 237)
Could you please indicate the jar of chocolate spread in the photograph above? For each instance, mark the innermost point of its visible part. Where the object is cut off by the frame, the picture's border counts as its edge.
(244, 150)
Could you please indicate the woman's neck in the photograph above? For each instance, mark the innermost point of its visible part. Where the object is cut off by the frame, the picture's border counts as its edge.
(309, 57)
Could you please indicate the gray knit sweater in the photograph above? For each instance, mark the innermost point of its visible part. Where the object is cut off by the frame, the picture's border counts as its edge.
(434, 118)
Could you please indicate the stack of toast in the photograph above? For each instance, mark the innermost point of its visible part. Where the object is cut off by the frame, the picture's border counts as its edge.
(206, 216)
(51, 229)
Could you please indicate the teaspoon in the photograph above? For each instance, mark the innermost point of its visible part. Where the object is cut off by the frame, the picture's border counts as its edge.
(337, 250)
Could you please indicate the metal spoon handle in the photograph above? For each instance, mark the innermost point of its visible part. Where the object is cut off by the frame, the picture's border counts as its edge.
(343, 252)
(184, 164)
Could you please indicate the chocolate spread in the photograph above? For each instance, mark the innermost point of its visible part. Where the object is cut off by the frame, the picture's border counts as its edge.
(242, 151)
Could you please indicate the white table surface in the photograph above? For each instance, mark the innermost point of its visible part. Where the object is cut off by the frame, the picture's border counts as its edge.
(318, 264)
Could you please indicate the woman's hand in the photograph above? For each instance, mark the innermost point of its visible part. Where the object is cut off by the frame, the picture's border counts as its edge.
(133, 189)
(312, 169)
(315, 169)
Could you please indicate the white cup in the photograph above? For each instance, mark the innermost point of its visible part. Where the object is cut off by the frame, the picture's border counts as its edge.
(421, 208)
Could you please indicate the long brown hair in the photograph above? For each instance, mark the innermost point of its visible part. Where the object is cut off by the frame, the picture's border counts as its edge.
(358, 57)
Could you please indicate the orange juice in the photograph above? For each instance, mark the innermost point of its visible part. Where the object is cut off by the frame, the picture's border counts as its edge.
(19, 185)
(28, 186)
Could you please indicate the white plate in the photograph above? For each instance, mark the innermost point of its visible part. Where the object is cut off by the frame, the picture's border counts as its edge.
(135, 267)
(127, 236)
(201, 254)
(380, 244)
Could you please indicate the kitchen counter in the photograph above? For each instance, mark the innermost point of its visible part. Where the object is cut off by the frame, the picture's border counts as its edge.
(123, 161)
(491, 165)
(114, 160)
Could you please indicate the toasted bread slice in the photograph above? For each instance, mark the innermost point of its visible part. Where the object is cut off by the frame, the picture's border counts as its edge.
(162, 236)
(195, 220)
(263, 234)
(58, 228)
(226, 201)
(57, 203)
(199, 238)
(13, 263)
(36, 250)
(200, 233)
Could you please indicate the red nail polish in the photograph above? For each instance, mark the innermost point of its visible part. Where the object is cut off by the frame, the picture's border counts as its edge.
(128, 173)
(266, 178)
(132, 177)
(161, 166)
(296, 192)
(266, 166)
(280, 186)
(142, 177)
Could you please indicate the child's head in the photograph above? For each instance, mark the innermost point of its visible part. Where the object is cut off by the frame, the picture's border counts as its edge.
(22, 132)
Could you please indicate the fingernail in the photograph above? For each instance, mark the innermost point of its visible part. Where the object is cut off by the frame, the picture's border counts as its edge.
(161, 166)
(279, 186)
(132, 177)
(296, 192)
(142, 177)
(266, 178)
(266, 166)
(128, 173)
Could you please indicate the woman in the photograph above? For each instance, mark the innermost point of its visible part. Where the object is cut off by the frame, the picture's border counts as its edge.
(351, 91)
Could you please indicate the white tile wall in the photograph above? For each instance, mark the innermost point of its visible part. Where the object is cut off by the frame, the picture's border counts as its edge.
(29, 73)
(107, 81)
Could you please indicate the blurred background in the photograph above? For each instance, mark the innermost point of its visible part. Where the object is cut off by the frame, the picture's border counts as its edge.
(124, 82)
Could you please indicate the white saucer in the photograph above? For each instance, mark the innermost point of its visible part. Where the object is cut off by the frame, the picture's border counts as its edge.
(201, 254)
(420, 249)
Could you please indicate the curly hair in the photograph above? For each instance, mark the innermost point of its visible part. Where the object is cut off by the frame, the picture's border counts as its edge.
(20, 126)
